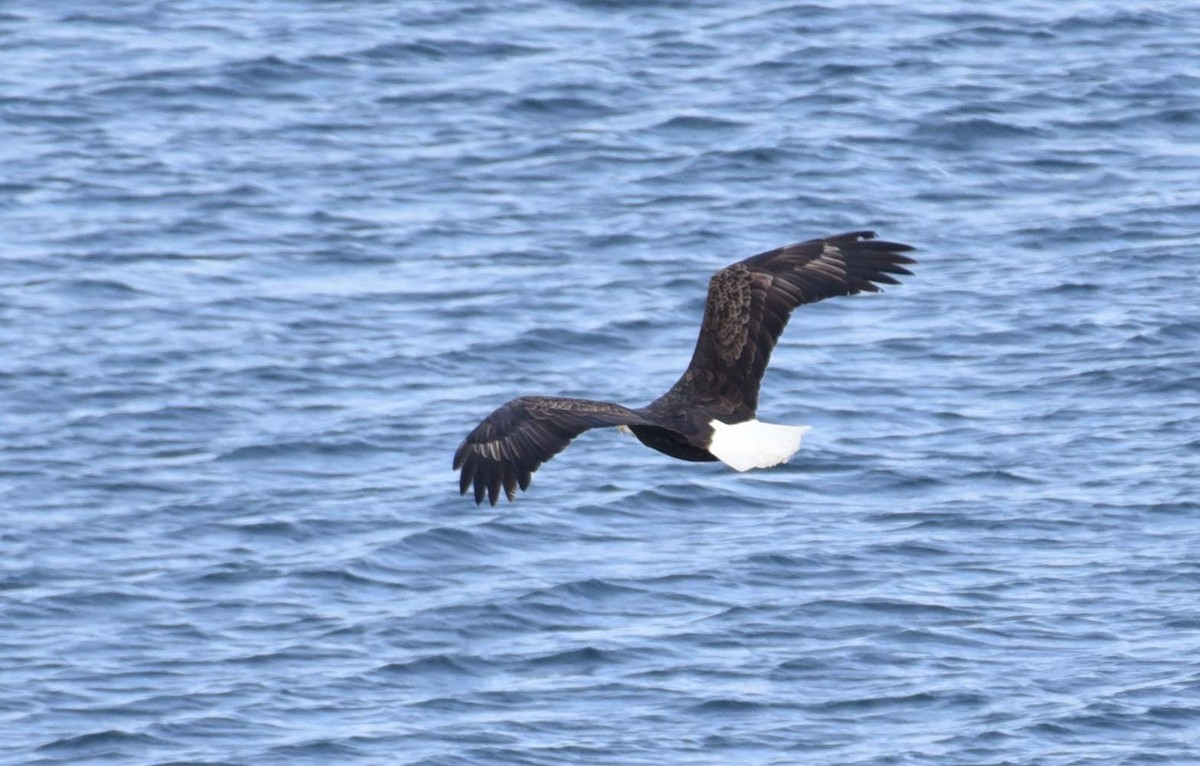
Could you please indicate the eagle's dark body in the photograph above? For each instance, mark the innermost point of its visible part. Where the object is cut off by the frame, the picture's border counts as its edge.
(749, 304)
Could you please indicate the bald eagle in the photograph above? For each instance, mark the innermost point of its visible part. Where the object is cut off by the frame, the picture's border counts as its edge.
(709, 413)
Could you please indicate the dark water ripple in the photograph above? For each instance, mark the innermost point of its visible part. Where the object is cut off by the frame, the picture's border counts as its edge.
(264, 265)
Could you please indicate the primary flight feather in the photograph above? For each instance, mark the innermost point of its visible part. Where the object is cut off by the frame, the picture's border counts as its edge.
(709, 414)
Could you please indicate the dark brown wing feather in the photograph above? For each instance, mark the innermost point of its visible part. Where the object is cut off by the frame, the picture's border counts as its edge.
(750, 302)
(508, 446)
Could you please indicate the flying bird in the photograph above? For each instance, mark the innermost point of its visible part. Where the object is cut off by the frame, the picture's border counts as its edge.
(709, 414)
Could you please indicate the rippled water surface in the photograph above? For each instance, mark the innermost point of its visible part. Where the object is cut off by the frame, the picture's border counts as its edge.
(264, 264)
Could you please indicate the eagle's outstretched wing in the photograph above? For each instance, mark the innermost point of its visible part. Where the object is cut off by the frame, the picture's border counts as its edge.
(749, 304)
(508, 446)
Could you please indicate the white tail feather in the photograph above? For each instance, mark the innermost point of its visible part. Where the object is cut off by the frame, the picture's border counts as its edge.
(753, 444)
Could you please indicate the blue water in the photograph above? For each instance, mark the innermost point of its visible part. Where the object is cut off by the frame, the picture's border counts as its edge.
(264, 264)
